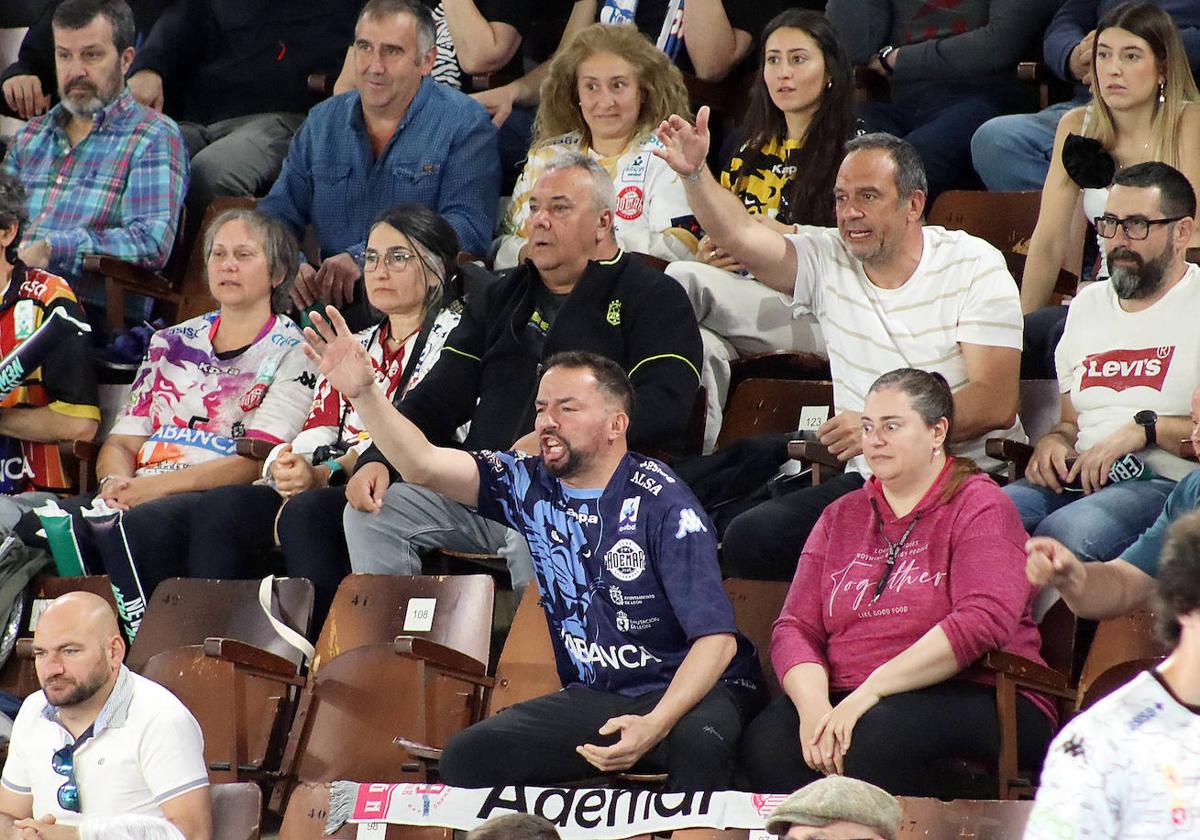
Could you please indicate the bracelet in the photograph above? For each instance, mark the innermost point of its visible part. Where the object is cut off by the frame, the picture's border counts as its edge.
(103, 479)
(694, 177)
(337, 473)
(882, 55)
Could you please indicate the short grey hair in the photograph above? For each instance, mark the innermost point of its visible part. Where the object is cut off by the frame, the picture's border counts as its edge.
(426, 28)
(603, 196)
(278, 244)
(910, 171)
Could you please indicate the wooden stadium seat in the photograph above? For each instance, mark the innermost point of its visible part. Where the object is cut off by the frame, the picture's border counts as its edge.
(180, 289)
(764, 406)
(526, 668)
(1039, 407)
(237, 809)
(210, 643)
(756, 605)
(778, 364)
(380, 674)
(1121, 649)
(933, 819)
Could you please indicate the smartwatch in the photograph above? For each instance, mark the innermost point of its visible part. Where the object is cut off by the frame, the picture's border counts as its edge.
(882, 55)
(1147, 420)
(337, 474)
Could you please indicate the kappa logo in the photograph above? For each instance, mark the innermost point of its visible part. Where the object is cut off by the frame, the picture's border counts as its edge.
(629, 203)
(625, 560)
(689, 523)
(629, 514)
(1119, 370)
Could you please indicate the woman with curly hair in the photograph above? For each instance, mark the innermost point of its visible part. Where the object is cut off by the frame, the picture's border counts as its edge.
(608, 90)
(800, 116)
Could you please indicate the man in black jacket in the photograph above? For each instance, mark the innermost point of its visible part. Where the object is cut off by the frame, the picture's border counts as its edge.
(576, 291)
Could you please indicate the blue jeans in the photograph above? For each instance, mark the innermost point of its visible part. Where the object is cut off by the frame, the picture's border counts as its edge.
(1095, 527)
(1012, 152)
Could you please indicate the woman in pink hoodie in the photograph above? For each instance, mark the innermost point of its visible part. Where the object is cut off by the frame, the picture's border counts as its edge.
(900, 588)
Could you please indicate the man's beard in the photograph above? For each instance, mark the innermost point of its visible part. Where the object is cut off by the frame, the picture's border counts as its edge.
(96, 101)
(81, 692)
(1141, 281)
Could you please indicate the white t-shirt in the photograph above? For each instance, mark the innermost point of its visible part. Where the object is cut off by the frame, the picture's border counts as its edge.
(146, 748)
(1127, 768)
(961, 292)
(650, 200)
(1116, 363)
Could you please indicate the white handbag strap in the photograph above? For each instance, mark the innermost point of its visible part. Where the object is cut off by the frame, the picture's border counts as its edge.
(265, 588)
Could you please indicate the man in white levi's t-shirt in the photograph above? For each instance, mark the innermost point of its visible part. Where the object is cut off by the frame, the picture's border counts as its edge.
(888, 293)
(1128, 362)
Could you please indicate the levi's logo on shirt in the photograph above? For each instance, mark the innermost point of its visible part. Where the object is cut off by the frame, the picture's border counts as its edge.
(1121, 369)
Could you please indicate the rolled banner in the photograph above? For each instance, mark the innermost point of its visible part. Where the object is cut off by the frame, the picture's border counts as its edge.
(60, 534)
(29, 355)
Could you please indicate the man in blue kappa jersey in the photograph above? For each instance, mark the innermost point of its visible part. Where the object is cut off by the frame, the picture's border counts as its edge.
(655, 674)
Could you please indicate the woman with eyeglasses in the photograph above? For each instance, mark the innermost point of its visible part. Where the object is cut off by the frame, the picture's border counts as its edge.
(411, 276)
(1145, 107)
(902, 585)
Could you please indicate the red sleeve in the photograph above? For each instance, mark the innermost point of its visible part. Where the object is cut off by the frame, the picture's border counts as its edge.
(799, 634)
(988, 588)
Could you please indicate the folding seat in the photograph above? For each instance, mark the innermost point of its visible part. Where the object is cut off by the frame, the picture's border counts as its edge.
(236, 808)
(398, 658)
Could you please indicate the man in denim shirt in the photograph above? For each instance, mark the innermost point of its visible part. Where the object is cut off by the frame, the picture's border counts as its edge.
(399, 136)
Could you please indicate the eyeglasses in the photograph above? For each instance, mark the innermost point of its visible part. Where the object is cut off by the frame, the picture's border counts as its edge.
(1135, 227)
(394, 259)
(63, 763)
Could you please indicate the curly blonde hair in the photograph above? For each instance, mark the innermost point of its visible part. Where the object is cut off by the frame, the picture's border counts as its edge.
(660, 82)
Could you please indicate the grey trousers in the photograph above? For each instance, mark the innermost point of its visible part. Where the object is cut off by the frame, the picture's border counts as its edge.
(739, 316)
(239, 156)
(413, 518)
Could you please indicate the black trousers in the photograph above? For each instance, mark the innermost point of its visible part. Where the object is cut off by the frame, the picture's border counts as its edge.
(228, 533)
(764, 543)
(234, 533)
(534, 742)
(897, 743)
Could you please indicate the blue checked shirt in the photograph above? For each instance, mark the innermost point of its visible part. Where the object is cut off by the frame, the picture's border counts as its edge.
(443, 155)
(117, 192)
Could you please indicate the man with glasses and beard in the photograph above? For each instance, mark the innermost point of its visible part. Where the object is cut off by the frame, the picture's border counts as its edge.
(98, 740)
(105, 174)
(1127, 365)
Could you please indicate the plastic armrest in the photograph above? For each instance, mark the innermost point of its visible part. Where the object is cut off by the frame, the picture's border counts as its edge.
(1027, 673)
(254, 448)
(1032, 71)
(24, 648)
(82, 450)
(467, 667)
(1003, 449)
(417, 749)
(248, 656)
(811, 450)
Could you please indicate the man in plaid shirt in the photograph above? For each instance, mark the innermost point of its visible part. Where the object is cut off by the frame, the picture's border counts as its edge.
(105, 175)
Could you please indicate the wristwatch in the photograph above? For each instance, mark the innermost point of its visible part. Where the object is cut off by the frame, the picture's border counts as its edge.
(1147, 420)
(882, 55)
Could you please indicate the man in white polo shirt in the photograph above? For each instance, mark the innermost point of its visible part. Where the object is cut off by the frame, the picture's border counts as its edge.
(888, 292)
(98, 740)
